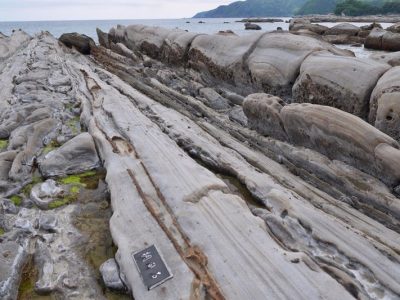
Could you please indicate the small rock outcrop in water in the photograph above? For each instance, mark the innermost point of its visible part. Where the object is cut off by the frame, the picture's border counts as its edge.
(261, 20)
(383, 40)
(80, 42)
(372, 36)
(251, 26)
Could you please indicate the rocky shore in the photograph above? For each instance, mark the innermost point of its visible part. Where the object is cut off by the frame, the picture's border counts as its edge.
(352, 19)
(372, 36)
(262, 166)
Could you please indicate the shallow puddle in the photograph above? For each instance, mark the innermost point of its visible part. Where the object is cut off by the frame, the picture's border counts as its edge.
(239, 189)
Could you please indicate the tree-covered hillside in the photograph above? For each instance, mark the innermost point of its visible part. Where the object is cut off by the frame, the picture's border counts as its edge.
(359, 7)
(317, 7)
(350, 7)
(254, 8)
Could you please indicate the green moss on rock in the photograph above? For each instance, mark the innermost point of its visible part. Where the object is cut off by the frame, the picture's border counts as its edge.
(16, 199)
(27, 189)
(82, 180)
(74, 124)
(50, 147)
(3, 144)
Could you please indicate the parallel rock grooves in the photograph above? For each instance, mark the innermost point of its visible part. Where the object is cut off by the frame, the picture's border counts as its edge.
(207, 206)
(310, 166)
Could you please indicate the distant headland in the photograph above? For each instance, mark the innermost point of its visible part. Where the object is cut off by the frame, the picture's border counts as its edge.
(269, 8)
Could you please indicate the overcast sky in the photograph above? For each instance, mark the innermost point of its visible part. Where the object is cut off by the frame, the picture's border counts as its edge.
(26, 10)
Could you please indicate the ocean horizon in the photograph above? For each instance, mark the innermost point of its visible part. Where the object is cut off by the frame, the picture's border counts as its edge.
(88, 27)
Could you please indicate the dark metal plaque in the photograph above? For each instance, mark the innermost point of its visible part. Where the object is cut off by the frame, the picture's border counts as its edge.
(151, 267)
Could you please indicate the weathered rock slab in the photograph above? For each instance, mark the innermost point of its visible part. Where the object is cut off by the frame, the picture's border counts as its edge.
(345, 83)
(263, 114)
(75, 156)
(385, 104)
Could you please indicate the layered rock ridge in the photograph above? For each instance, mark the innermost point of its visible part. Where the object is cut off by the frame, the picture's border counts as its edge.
(297, 67)
(178, 139)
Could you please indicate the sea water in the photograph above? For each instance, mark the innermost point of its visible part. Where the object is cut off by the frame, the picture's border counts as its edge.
(209, 26)
(205, 25)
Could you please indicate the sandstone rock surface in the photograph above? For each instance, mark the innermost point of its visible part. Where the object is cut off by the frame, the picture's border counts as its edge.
(75, 156)
(343, 28)
(384, 111)
(338, 135)
(342, 82)
(263, 113)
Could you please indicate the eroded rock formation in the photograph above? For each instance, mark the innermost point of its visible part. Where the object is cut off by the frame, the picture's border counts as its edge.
(302, 207)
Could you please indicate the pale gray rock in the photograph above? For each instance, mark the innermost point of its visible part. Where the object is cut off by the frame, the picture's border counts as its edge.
(45, 283)
(48, 223)
(103, 38)
(343, 28)
(341, 136)
(222, 56)
(343, 39)
(42, 194)
(345, 83)
(200, 201)
(374, 39)
(313, 28)
(110, 273)
(75, 156)
(24, 225)
(384, 111)
(232, 97)
(387, 160)
(394, 28)
(9, 45)
(251, 26)
(13, 257)
(6, 160)
(213, 99)
(237, 115)
(391, 41)
(8, 206)
(125, 51)
(263, 114)
(156, 42)
(31, 139)
(275, 62)
(392, 59)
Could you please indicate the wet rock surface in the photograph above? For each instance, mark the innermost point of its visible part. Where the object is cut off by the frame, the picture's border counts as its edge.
(229, 185)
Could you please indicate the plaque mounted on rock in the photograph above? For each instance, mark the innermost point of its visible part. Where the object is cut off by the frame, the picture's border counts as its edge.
(151, 267)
